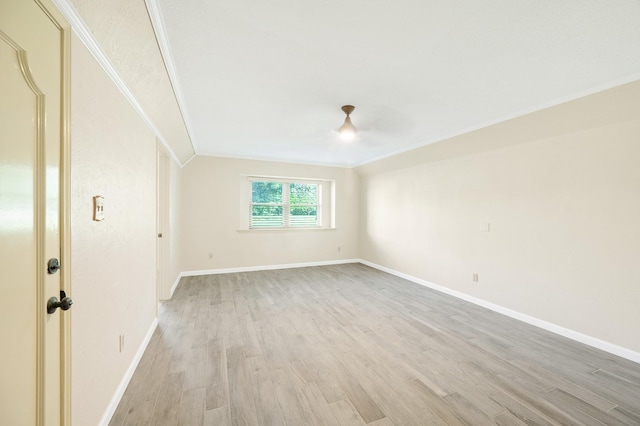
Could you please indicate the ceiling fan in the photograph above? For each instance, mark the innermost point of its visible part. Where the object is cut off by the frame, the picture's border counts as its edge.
(347, 131)
(380, 126)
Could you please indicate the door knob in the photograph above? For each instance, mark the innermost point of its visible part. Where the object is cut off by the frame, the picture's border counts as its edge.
(54, 303)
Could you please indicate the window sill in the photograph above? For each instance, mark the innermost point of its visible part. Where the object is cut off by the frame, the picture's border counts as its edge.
(284, 229)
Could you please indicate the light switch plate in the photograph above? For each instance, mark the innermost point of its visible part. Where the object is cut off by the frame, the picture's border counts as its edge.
(98, 208)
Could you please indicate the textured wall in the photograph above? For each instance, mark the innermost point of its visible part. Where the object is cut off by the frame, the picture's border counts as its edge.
(560, 190)
(125, 34)
(212, 214)
(114, 261)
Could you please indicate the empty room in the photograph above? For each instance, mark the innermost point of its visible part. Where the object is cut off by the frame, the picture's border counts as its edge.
(330, 213)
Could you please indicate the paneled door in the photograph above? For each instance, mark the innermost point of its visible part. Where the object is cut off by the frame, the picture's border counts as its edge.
(31, 135)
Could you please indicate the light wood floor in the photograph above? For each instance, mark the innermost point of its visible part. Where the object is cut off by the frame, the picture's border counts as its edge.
(349, 345)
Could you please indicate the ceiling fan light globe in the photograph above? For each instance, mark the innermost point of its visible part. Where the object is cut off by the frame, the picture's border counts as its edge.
(347, 131)
(347, 135)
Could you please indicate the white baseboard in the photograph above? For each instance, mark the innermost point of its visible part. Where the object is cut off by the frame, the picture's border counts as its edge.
(257, 268)
(117, 396)
(175, 285)
(554, 328)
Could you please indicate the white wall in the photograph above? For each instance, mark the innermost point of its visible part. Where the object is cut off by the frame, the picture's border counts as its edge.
(113, 261)
(212, 205)
(561, 191)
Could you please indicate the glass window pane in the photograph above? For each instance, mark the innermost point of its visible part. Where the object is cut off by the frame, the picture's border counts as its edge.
(266, 192)
(303, 193)
(266, 216)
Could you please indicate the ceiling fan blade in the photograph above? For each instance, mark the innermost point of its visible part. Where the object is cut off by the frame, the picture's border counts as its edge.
(385, 120)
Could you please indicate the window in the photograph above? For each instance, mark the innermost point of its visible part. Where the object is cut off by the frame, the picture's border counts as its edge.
(285, 204)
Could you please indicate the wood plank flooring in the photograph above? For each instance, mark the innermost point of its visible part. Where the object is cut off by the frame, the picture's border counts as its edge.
(350, 345)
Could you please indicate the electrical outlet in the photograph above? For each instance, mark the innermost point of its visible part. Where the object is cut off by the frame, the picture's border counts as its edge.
(121, 342)
(475, 277)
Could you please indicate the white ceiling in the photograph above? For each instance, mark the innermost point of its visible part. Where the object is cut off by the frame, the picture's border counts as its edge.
(266, 80)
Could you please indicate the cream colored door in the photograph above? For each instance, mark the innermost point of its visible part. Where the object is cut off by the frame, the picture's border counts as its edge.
(30, 146)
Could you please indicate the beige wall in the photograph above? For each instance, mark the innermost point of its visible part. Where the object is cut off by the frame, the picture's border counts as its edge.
(212, 201)
(113, 262)
(560, 189)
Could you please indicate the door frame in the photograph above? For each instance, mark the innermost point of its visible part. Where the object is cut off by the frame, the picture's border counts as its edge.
(65, 229)
(56, 17)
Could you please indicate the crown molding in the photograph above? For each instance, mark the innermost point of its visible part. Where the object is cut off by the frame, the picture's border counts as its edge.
(521, 113)
(84, 34)
(157, 22)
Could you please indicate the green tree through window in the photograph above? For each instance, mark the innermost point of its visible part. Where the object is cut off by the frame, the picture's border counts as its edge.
(276, 204)
(303, 204)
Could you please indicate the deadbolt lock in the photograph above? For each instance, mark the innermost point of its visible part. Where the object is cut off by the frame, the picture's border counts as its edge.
(53, 265)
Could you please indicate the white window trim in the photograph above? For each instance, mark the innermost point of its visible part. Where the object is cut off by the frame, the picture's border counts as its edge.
(286, 205)
(326, 204)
